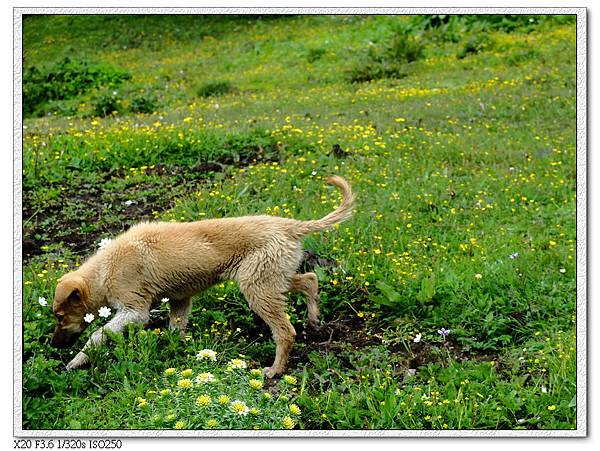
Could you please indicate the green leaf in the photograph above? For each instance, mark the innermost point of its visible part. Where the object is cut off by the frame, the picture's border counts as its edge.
(390, 296)
(427, 289)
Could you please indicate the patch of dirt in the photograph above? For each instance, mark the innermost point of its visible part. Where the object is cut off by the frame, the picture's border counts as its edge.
(86, 209)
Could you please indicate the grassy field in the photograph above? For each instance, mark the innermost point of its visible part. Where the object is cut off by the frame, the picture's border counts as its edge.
(448, 299)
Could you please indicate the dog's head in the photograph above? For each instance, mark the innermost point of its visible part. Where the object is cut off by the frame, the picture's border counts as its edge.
(69, 307)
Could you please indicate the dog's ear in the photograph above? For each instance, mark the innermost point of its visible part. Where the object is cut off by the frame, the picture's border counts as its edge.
(72, 290)
(75, 296)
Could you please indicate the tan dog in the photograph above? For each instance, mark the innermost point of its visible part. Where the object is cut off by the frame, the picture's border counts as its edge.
(152, 261)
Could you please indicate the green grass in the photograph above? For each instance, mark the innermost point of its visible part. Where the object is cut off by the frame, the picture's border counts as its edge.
(464, 170)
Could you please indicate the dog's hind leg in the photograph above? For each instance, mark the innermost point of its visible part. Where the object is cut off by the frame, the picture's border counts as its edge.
(270, 306)
(308, 285)
(115, 325)
(179, 313)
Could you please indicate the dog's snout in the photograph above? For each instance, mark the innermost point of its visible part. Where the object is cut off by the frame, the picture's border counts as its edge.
(63, 339)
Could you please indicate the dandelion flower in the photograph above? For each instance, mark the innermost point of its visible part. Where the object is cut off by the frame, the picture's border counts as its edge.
(207, 354)
(42, 301)
(184, 383)
(187, 372)
(236, 364)
(288, 423)
(255, 384)
(179, 425)
(295, 410)
(203, 378)
(88, 318)
(170, 371)
(552, 407)
(203, 400)
(239, 407)
(104, 312)
(212, 423)
(223, 399)
(289, 379)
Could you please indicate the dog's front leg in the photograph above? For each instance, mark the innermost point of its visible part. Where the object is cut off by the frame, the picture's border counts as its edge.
(116, 325)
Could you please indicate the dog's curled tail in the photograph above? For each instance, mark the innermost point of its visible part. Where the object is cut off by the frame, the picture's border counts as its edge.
(341, 213)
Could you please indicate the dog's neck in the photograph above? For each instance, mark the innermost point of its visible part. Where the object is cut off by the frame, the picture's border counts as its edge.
(89, 272)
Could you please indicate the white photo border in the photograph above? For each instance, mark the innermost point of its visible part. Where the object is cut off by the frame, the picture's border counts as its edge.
(581, 207)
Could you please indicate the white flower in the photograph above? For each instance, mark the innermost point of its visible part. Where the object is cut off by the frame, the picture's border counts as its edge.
(236, 364)
(207, 354)
(417, 338)
(478, 276)
(562, 270)
(203, 378)
(128, 202)
(103, 243)
(544, 389)
(239, 407)
(88, 318)
(164, 300)
(521, 420)
(104, 312)
(314, 172)
(42, 301)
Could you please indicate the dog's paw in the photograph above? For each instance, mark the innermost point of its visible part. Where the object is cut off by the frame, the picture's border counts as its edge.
(79, 360)
(270, 372)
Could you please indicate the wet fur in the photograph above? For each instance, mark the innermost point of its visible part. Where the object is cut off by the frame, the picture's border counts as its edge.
(178, 260)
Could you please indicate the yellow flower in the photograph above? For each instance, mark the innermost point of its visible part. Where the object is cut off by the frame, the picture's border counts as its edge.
(289, 379)
(256, 372)
(295, 410)
(236, 364)
(267, 395)
(179, 425)
(255, 384)
(203, 378)
(211, 424)
(203, 400)
(223, 399)
(239, 407)
(552, 407)
(184, 383)
(288, 423)
(187, 373)
(164, 392)
(170, 371)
